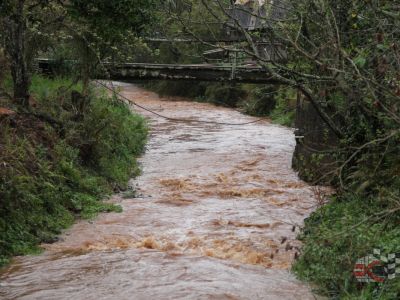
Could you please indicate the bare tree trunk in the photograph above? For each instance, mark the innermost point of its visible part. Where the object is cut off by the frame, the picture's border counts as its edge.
(86, 61)
(15, 47)
(85, 79)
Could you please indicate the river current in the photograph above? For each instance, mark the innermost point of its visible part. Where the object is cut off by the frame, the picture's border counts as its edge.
(215, 216)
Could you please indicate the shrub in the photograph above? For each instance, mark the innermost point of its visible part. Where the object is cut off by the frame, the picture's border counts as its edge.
(339, 233)
(261, 101)
(225, 94)
(111, 138)
(177, 88)
(285, 108)
(217, 93)
(51, 175)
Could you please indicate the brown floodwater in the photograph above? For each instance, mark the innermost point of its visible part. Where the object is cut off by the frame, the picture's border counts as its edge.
(215, 216)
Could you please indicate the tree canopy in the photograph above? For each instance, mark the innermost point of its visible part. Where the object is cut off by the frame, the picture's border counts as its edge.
(30, 26)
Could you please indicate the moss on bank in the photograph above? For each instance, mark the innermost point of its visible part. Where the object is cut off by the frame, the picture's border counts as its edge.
(53, 172)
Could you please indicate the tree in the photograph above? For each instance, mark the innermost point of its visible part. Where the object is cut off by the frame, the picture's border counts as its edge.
(15, 27)
(343, 56)
(23, 20)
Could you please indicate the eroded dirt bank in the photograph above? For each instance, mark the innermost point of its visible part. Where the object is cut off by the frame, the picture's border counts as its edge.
(215, 217)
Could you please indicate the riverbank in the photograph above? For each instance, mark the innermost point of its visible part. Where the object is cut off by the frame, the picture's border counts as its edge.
(275, 102)
(60, 160)
(346, 229)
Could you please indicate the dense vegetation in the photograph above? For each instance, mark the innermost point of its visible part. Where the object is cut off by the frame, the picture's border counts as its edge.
(54, 173)
(338, 234)
(262, 101)
(362, 102)
(65, 145)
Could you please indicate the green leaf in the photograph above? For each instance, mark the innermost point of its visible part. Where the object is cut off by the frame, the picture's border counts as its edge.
(360, 61)
(381, 47)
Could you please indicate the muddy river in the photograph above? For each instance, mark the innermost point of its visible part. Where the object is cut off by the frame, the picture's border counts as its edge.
(215, 216)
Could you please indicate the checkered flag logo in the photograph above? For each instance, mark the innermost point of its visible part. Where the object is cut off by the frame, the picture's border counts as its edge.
(393, 265)
(377, 267)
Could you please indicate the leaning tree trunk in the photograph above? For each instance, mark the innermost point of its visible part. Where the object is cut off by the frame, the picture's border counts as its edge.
(15, 47)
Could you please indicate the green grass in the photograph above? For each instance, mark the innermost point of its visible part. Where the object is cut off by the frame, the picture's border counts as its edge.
(49, 178)
(339, 233)
(283, 117)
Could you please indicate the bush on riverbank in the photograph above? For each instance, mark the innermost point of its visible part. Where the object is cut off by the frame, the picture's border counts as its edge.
(176, 88)
(60, 160)
(277, 103)
(339, 233)
(255, 100)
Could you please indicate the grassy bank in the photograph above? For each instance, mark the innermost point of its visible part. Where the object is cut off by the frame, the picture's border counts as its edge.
(59, 161)
(339, 233)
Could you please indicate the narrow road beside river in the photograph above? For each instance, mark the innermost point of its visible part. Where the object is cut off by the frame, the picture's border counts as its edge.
(215, 217)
